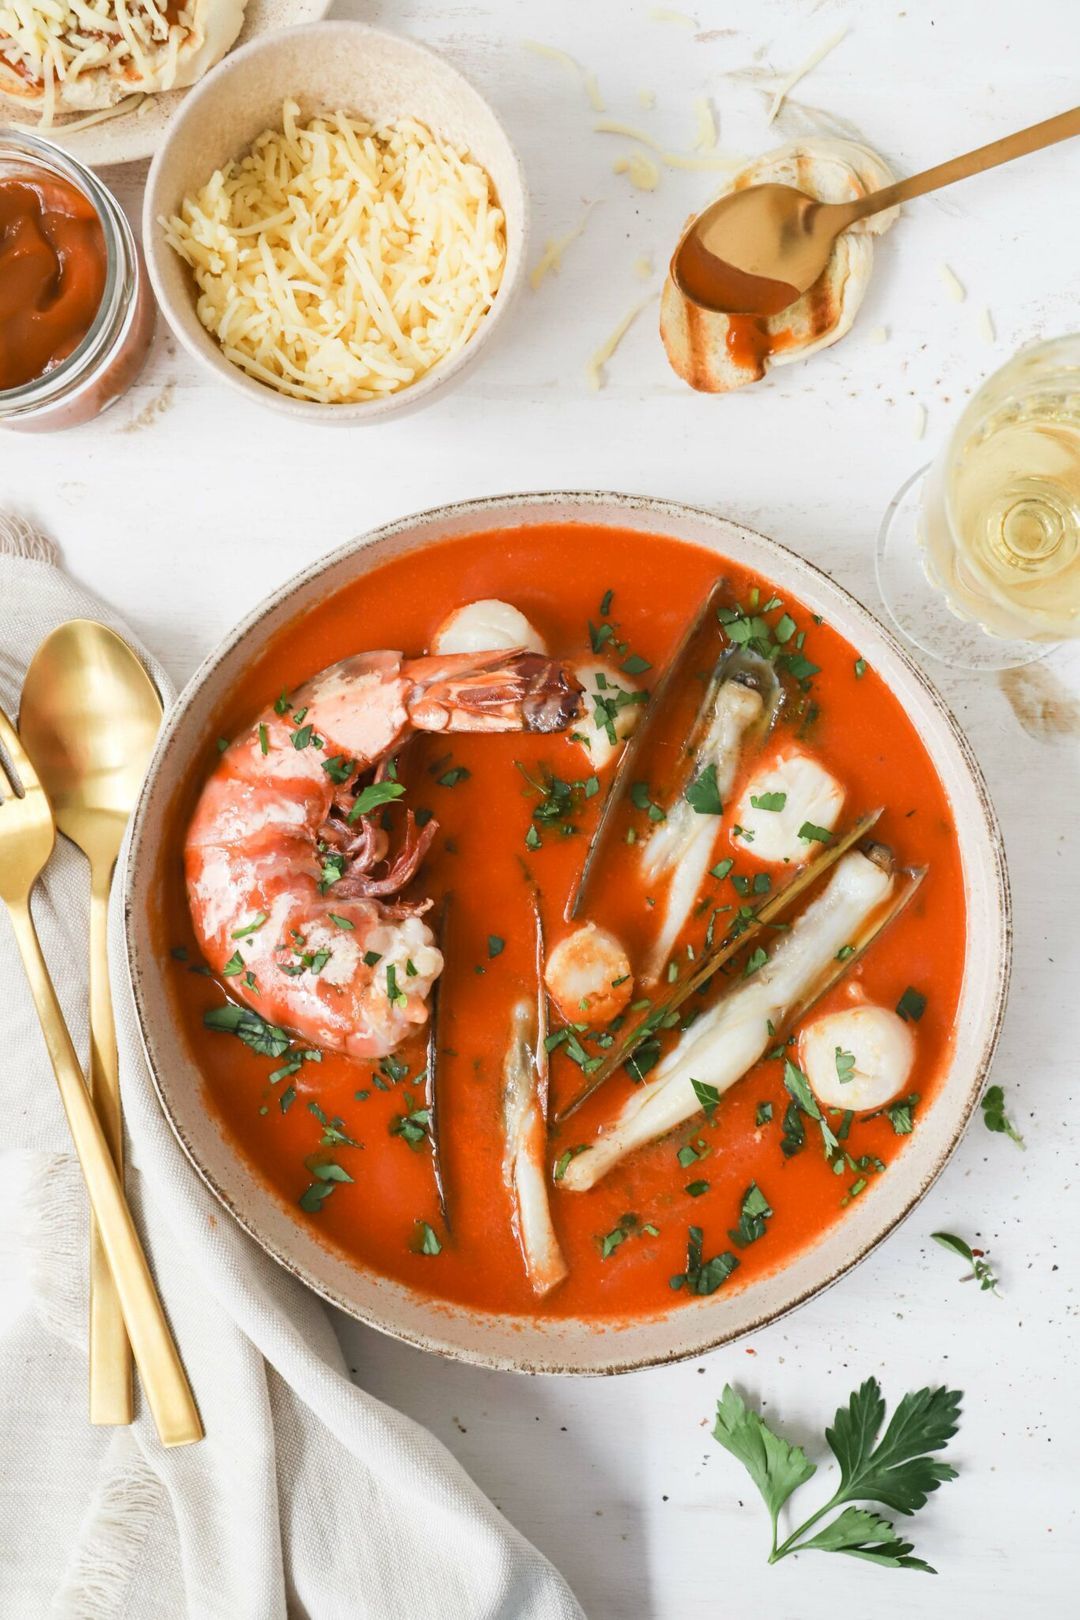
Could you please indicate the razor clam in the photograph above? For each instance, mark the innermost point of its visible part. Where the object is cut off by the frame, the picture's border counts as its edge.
(713, 957)
(696, 648)
(431, 1090)
(742, 698)
(525, 1069)
(860, 899)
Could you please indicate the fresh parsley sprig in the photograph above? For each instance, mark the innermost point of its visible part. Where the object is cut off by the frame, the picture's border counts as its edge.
(980, 1267)
(894, 1471)
(994, 1116)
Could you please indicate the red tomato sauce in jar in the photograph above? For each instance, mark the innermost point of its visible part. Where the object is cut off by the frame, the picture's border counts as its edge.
(52, 274)
(486, 857)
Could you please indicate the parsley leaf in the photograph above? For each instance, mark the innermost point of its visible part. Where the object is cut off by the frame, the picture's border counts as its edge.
(912, 1004)
(994, 1116)
(708, 1096)
(371, 797)
(895, 1470)
(768, 801)
(753, 1214)
(703, 795)
(980, 1267)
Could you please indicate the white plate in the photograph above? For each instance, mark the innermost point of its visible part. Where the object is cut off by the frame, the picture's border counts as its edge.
(138, 133)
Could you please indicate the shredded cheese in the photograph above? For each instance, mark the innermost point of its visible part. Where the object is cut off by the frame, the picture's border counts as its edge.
(952, 283)
(673, 160)
(337, 262)
(640, 169)
(879, 334)
(986, 326)
(56, 46)
(594, 367)
(918, 421)
(705, 139)
(554, 248)
(643, 267)
(647, 99)
(664, 14)
(800, 72)
(572, 65)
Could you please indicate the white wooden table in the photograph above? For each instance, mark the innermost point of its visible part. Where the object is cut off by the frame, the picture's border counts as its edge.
(183, 507)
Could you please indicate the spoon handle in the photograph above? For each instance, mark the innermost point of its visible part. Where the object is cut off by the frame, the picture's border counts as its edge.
(110, 1351)
(1032, 139)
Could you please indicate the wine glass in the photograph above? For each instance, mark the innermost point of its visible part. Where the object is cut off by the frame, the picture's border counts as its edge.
(978, 555)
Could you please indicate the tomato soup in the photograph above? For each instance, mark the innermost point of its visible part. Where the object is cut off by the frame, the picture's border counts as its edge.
(515, 814)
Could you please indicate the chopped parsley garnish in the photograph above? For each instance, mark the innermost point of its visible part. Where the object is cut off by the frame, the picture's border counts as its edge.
(339, 769)
(844, 952)
(793, 1139)
(496, 946)
(745, 833)
(860, 668)
(626, 1226)
(250, 928)
(980, 1268)
(895, 1470)
(691, 1152)
(753, 1214)
(703, 795)
(707, 1096)
(425, 1240)
(235, 964)
(814, 835)
(599, 635)
(532, 837)
(641, 799)
(799, 667)
(697, 1188)
(371, 797)
(912, 1004)
(635, 665)
(722, 868)
(764, 1114)
(254, 1031)
(994, 1116)
(314, 1197)
(456, 774)
(605, 603)
(333, 868)
(845, 1066)
(372, 958)
(287, 1098)
(768, 801)
(397, 998)
(264, 739)
(413, 1126)
(798, 1087)
(645, 1056)
(304, 737)
(756, 960)
(564, 1158)
(282, 704)
(341, 922)
(703, 1276)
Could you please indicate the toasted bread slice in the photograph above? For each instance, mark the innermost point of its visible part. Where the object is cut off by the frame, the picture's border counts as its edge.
(716, 353)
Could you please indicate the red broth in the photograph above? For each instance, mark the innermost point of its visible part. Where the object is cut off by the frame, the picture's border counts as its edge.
(558, 575)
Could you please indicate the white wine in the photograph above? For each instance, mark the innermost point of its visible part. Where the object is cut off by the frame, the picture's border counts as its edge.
(1001, 511)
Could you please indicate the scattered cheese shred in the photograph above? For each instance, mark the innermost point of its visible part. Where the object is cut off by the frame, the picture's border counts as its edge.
(724, 163)
(71, 126)
(647, 99)
(643, 267)
(554, 248)
(986, 326)
(705, 139)
(338, 262)
(918, 421)
(879, 334)
(594, 367)
(572, 65)
(664, 14)
(674, 160)
(612, 126)
(800, 72)
(952, 283)
(641, 170)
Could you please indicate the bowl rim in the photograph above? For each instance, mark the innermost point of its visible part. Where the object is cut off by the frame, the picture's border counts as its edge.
(999, 947)
(204, 348)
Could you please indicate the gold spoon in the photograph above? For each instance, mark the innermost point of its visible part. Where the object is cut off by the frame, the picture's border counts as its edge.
(757, 250)
(88, 719)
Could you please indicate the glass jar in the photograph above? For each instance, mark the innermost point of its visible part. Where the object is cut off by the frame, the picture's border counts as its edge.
(111, 355)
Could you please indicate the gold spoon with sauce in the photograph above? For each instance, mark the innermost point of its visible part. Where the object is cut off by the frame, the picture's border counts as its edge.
(756, 251)
(88, 718)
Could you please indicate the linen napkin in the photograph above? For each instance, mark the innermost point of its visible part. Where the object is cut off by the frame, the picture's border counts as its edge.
(307, 1498)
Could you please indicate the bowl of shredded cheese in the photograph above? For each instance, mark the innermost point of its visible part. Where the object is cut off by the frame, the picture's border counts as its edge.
(336, 223)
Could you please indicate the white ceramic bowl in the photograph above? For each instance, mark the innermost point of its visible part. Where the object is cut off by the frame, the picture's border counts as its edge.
(570, 1345)
(325, 67)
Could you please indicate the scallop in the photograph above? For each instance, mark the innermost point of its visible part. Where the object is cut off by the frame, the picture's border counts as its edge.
(486, 626)
(794, 791)
(858, 1058)
(588, 975)
(606, 693)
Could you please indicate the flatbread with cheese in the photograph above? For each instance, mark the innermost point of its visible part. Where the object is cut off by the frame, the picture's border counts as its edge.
(717, 353)
(78, 56)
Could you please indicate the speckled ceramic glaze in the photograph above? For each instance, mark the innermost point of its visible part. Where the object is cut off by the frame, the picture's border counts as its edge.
(569, 1345)
(330, 66)
(140, 132)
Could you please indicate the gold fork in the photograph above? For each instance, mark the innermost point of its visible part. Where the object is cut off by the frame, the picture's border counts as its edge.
(27, 834)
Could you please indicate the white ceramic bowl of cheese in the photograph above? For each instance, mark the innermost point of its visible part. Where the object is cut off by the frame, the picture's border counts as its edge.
(326, 67)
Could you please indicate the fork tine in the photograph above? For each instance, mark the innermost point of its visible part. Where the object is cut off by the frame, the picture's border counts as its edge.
(17, 754)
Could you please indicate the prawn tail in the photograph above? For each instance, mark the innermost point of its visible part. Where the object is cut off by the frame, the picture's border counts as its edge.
(511, 691)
